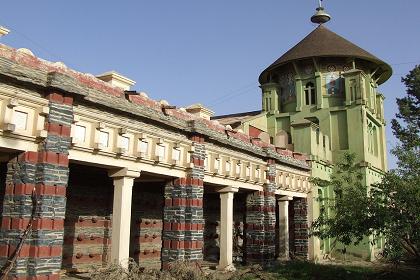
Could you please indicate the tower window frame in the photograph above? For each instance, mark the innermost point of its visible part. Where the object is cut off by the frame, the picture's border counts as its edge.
(310, 94)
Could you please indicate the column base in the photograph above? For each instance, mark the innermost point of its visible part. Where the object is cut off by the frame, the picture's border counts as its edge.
(228, 268)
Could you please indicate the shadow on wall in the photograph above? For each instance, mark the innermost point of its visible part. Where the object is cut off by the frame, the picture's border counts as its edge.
(212, 226)
(3, 173)
(87, 226)
(147, 223)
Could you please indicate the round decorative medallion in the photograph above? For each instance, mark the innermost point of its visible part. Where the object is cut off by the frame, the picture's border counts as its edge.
(331, 68)
(309, 69)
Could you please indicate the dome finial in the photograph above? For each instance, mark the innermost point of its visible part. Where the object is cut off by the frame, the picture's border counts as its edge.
(320, 16)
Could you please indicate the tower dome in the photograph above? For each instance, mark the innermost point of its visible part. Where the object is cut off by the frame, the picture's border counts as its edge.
(323, 43)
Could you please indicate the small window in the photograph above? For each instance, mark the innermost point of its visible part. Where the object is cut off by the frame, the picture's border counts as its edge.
(125, 142)
(80, 133)
(317, 135)
(104, 138)
(206, 163)
(353, 89)
(21, 120)
(257, 173)
(310, 94)
(144, 145)
(238, 168)
(176, 154)
(227, 167)
(160, 151)
(216, 163)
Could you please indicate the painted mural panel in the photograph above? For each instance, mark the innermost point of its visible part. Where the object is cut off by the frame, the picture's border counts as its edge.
(334, 83)
(288, 88)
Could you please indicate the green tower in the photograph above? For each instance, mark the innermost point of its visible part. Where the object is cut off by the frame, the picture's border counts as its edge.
(321, 98)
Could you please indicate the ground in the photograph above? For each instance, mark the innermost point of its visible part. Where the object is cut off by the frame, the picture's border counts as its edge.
(311, 271)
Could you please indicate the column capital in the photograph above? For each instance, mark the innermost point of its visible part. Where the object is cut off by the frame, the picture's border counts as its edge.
(124, 172)
(228, 189)
(285, 198)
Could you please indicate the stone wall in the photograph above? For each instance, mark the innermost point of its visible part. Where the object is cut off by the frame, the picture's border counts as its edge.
(87, 226)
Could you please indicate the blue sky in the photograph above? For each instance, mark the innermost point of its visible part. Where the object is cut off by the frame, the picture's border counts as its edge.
(189, 51)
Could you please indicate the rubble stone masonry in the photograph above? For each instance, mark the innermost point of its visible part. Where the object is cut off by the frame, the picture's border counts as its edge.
(300, 223)
(261, 221)
(183, 212)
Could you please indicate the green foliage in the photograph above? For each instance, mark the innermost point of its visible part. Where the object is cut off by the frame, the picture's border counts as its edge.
(294, 270)
(407, 125)
(312, 271)
(344, 216)
(395, 202)
(399, 191)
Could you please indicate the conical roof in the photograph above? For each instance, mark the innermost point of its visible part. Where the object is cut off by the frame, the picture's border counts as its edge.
(322, 42)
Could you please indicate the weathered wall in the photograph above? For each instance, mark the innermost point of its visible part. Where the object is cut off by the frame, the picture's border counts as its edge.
(87, 226)
(147, 224)
(211, 208)
(3, 172)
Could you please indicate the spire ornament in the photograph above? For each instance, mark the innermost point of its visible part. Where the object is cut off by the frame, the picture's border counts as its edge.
(320, 16)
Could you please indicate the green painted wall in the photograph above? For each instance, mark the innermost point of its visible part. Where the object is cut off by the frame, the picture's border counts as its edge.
(329, 106)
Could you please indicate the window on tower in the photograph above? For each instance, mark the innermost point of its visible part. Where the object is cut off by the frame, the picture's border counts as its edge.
(353, 89)
(310, 94)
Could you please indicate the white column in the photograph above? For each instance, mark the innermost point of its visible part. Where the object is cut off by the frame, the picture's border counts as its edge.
(284, 226)
(226, 229)
(314, 243)
(121, 214)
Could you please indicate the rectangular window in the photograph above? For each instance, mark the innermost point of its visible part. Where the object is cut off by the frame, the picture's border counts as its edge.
(125, 143)
(20, 120)
(353, 89)
(144, 145)
(104, 139)
(238, 168)
(313, 97)
(160, 151)
(206, 163)
(80, 133)
(176, 154)
(257, 173)
(216, 164)
(227, 167)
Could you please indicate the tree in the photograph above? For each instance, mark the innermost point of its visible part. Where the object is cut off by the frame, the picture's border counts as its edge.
(344, 216)
(390, 208)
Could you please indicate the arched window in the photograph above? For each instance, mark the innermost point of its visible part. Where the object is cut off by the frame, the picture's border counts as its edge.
(310, 94)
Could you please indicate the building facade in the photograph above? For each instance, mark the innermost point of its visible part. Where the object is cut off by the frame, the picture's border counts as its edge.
(321, 99)
(92, 172)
